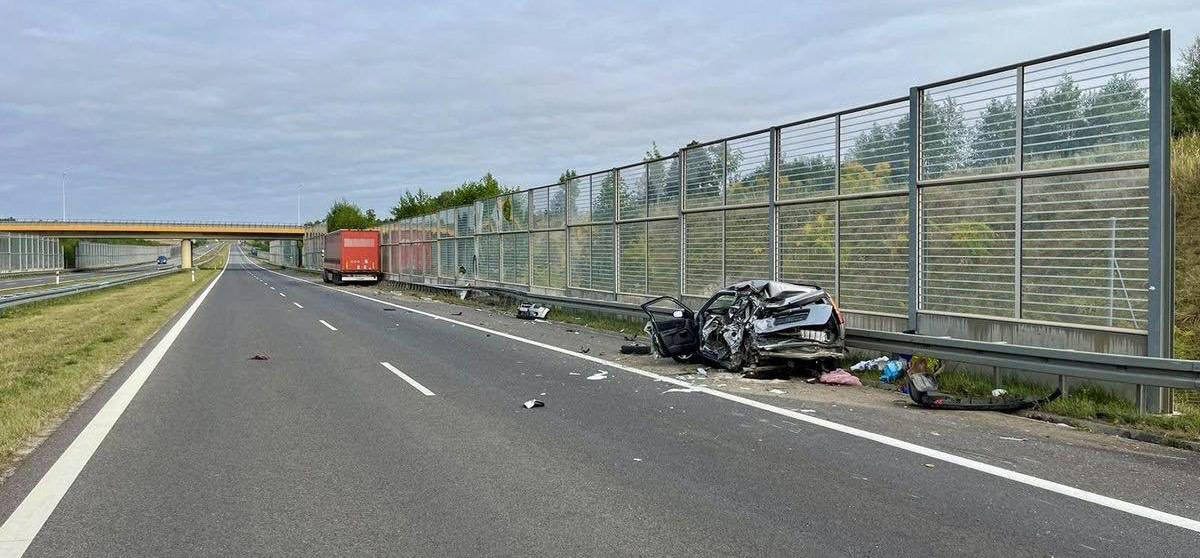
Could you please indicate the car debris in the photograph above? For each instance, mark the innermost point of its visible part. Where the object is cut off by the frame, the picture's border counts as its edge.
(892, 371)
(459, 313)
(601, 375)
(260, 357)
(635, 349)
(532, 311)
(585, 349)
(873, 364)
(750, 322)
(534, 403)
(839, 377)
(923, 389)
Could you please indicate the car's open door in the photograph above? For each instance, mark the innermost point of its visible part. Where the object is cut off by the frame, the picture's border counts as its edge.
(673, 327)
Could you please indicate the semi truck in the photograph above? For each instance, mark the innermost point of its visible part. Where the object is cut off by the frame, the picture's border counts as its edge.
(351, 255)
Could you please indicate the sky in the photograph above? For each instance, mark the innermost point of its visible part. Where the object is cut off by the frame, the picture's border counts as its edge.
(234, 111)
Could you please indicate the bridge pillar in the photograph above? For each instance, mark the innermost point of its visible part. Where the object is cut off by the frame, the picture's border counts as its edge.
(185, 254)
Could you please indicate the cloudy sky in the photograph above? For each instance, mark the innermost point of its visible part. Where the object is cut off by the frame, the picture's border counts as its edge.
(221, 110)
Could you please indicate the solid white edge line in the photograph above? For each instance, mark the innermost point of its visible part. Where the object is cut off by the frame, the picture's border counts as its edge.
(298, 305)
(19, 530)
(406, 378)
(326, 324)
(1029, 480)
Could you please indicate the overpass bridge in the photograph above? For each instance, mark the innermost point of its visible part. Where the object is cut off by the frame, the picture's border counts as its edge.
(185, 231)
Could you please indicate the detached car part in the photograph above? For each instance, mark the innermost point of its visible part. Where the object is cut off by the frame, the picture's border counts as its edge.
(532, 311)
(923, 389)
(750, 321)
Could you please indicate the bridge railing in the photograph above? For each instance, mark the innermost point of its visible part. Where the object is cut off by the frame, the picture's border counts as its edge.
(154, 222)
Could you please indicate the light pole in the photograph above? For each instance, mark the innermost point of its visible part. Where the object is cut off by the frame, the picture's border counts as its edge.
(64, 196)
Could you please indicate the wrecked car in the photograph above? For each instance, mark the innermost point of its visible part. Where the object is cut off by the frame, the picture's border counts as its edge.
(749, 323)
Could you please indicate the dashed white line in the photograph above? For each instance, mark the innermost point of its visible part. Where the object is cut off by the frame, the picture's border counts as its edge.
(326, 324)
(408, 379)
(283, 295)
(298, 305)
(965, 462)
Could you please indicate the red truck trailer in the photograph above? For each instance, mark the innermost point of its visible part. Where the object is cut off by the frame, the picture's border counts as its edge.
(351, 256)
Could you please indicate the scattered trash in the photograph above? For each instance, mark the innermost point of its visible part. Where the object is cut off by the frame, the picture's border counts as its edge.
(534, 403)
(260, 357)
(750, 321)
(389, 309)
(839, 377)
(682, 390)
(929, 465)
(532, 311)
(923, 389)
(892, 371)
(1011, 439)
(999, 392)
(635, 349)
(637, 459)
(701, 371)
(576, 332)
(934, 433)
(601, 375)
(873, 364)
(427, 298)
(630, 337)
(459, 313)
(585, 349)
(574, 374)
(777, 391)
(1064, 425)
(810, 411)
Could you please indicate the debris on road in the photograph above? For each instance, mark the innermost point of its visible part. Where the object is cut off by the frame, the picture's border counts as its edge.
(892, 371)
(873, 364)
(929, 465)
(635, 349)
(388, 309)
(601, 375)
(839, 377)
(260, 357)
(532, 311)
(459, 313)
(682, 390)
(534, 403)
(777, 391)
(923, 389)
(999, 392)
(809, 411)
(585, 349)
(1011, 439)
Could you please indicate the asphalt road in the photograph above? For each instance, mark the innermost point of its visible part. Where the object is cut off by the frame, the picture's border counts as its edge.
(324, 451)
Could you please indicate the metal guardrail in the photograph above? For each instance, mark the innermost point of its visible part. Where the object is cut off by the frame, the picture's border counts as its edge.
(1126, 369)
(44, 295)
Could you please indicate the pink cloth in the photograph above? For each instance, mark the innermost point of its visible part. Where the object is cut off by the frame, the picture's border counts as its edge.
(839, 377)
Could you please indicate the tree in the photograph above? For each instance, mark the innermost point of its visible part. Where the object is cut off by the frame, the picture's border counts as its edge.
(1185, 92)
(994, 141)
(652, 153)
(346, 215)
(1052, 119)
(567, 175)
(420, 203)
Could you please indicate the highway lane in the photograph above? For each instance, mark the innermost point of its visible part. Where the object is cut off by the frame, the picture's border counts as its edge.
(324, 450)
(25, 282)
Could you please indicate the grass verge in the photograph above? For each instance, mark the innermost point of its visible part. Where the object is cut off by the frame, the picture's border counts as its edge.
(1085, 401)
(56, 351)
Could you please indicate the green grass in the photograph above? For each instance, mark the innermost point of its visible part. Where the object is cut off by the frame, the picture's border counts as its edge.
(1088, 402)
(56, 351)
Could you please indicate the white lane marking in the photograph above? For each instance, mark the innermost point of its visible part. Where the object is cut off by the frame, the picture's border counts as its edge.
(298, 305)
(19, 530)
(272, 288)
(283, 295)
(406, 378)
(326, 324)
(1029, 480)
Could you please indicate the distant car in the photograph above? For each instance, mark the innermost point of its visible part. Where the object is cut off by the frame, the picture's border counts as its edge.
(162, 260)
